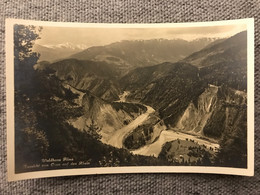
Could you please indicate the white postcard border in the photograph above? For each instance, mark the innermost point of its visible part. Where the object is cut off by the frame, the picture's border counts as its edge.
(12, 176)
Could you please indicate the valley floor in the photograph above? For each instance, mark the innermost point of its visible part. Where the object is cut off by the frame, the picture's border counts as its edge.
(154, 148)
(118, 137)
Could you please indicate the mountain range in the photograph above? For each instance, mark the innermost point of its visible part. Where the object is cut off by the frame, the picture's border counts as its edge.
(125, 54)
(170, 87)
(57, 52)
(197, 87)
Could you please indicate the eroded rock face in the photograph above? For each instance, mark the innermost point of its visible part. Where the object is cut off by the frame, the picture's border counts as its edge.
(218, 109)
(195, 117)
(145, 133)
(106, 117)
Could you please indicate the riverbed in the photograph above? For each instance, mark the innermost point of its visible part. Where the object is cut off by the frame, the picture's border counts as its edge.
(119, 135)
(154, 148)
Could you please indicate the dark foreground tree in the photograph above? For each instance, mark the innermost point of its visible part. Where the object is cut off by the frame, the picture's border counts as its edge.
(30, 142)
(24, 57)
(233, 146)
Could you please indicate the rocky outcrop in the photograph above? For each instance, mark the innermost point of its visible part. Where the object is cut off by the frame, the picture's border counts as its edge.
(219, 109)
(145, 134)
(107, 117)
(195, 117)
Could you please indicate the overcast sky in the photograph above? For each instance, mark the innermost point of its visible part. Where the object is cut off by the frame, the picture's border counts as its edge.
(103, 36)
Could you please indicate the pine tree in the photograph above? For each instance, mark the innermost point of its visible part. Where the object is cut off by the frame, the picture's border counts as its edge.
(94, 130)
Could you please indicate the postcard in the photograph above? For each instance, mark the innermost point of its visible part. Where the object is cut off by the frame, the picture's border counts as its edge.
(86, 98)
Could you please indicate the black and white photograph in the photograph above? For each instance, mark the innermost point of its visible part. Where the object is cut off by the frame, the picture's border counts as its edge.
(129, 98)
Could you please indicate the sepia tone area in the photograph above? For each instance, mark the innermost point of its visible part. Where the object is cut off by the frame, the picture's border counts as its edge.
(160, 100)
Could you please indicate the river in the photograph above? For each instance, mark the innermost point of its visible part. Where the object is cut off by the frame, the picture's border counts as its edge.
(123, 96)
(119, 135)
(154, 148)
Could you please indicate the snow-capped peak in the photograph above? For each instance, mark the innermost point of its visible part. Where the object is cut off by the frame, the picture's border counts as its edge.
(67, 45)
